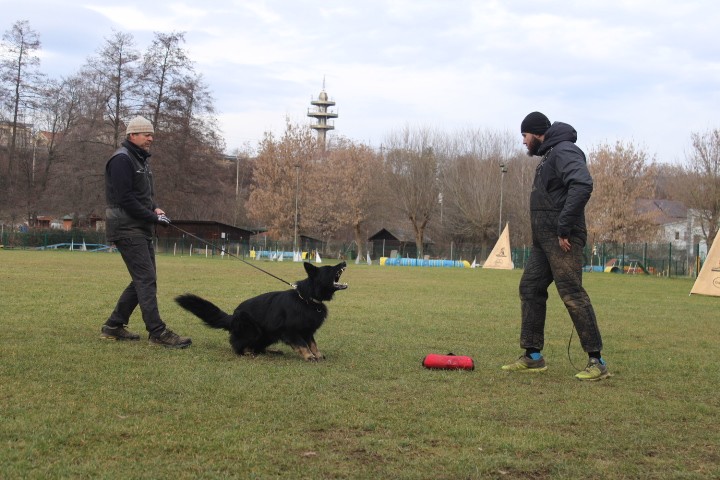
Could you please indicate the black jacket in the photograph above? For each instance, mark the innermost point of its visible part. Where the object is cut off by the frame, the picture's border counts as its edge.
(565, 177)
(129, 194)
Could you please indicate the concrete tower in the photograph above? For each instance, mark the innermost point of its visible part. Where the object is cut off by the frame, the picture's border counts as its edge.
(321, 113)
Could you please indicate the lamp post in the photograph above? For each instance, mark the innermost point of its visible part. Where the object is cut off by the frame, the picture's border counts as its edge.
(237, 175)
(297, 187)
(503, 171)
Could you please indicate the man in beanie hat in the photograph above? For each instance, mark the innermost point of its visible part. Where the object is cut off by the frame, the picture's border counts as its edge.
(131, 218)
(560, 191)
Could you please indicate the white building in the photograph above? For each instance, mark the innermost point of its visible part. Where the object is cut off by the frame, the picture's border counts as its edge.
(679, 225)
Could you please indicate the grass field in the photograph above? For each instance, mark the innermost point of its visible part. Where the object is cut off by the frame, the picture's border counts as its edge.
(73, 406)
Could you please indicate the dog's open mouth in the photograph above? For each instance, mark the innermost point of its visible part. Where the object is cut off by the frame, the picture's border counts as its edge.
(337, 284)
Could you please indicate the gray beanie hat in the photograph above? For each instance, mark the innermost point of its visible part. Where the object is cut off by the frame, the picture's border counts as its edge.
(139, 125)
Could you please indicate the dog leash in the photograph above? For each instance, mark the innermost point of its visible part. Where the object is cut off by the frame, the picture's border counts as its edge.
(210, 244)
(568, 350)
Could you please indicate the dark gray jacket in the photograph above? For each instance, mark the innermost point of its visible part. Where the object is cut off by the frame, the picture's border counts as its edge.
(129, 194)
(565, 177)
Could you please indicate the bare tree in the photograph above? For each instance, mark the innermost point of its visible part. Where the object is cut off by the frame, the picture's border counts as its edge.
(281, 168)
(115, 69)
(19, 74)
(348, 175)
(703, 171)
(164, 63)
(414, 178)
(473, 181)
(622, 175)
(188, 153)
(80, 120)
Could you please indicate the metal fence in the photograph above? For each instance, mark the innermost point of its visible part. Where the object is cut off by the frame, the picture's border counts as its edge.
(661, 259)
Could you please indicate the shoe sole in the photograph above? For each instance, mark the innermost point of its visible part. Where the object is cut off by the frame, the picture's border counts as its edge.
(528, 370)
(170, 346)
(118, 339)
(597, 379)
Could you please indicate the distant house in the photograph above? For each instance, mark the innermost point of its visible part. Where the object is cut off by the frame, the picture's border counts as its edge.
(91, 221)
(399, 241)
(678, 224)
(43, 221)
(23, 132)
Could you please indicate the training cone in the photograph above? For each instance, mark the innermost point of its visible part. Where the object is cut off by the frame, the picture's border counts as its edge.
(448, 362)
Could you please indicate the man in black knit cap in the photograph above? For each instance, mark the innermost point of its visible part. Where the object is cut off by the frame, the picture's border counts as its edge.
(560, 191)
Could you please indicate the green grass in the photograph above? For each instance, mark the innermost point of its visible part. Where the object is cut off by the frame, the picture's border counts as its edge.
(73, 406)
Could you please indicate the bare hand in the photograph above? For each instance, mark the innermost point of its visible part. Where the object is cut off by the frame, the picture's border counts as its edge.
(564, 244)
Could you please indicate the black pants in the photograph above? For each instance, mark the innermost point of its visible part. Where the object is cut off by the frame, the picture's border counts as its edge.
(548, 263)
(138, 254)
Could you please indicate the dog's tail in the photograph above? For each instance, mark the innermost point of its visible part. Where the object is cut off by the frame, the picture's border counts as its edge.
(206, 311)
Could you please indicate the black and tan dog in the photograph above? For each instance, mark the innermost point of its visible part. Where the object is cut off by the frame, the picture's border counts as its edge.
(290, 316)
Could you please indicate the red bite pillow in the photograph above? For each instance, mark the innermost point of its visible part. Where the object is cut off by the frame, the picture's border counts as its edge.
(448, 362)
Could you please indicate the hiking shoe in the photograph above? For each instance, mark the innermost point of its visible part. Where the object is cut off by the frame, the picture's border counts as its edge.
(526, 364)
(170, 339)
(117, 333)
(595, 370)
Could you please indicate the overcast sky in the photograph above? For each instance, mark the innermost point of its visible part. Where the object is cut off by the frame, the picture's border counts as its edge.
(639, 71)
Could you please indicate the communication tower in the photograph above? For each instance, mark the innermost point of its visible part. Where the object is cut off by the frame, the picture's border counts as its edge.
(322, 114)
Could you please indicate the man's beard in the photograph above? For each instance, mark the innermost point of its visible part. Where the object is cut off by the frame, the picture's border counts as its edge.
(533, 147)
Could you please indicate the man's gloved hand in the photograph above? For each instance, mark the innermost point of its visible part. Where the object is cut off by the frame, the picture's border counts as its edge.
(163, 220)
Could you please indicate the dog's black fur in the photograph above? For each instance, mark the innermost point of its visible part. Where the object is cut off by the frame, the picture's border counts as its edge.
(290, 316)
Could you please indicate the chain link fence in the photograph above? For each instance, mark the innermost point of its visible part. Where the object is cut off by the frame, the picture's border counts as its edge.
(660, 259)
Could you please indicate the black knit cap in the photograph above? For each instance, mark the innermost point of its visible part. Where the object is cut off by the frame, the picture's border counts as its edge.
(536, 123)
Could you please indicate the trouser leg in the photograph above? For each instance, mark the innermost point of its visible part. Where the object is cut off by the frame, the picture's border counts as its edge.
(534, 284)
(567, 273)
(124, 308)
(139, 257)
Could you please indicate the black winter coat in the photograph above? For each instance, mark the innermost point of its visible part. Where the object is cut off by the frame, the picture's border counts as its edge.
(565, 177)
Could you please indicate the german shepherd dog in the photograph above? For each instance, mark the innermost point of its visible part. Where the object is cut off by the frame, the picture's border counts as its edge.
(291, 316)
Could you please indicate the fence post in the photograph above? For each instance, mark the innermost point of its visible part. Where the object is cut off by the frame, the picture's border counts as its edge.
(669, 258)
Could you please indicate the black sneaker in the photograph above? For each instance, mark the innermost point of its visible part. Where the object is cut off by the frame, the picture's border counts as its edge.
(117, 333)
(170, 339)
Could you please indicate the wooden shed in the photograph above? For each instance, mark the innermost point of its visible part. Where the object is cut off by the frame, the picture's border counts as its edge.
(216, 233)
(401, 243)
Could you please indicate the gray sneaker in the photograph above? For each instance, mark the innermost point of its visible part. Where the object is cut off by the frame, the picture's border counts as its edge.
(170, 339)
(117, 333)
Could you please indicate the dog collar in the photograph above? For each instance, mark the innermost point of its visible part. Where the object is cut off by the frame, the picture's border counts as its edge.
(313, 300)
(306, 301)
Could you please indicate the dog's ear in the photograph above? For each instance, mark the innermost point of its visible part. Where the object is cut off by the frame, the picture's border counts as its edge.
(310, 269)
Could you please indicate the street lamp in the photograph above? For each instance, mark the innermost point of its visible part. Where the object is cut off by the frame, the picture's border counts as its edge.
(237, 175)
(297, 187)
(503, 171)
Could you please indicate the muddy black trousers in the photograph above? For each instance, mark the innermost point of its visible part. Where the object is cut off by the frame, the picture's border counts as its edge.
(548, 263)
(138, 254)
